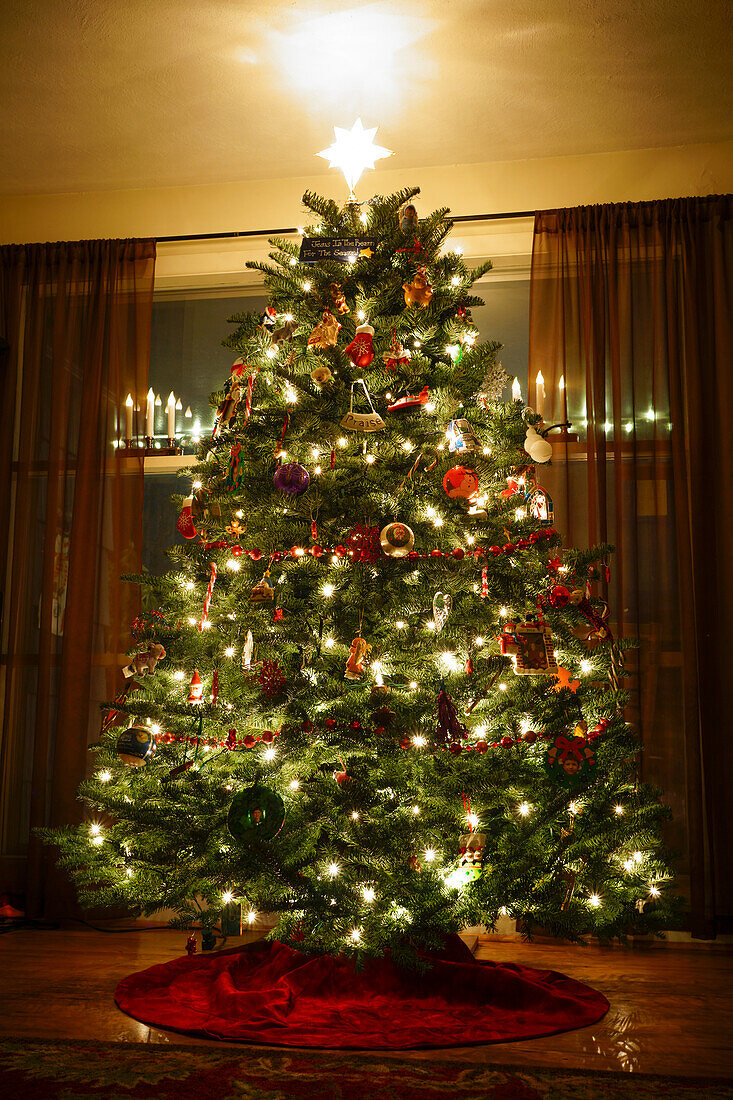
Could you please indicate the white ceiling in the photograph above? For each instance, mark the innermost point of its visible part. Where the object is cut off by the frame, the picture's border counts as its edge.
(107, 94)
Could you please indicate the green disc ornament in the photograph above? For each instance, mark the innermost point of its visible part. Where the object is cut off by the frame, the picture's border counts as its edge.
(256, 814)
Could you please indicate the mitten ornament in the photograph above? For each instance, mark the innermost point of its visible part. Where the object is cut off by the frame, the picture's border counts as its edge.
(361, 349)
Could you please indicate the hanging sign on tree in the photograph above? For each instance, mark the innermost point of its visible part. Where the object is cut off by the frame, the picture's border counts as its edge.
(341, 249)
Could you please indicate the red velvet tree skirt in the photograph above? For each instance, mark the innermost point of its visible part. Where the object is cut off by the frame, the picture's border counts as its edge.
(269, 993)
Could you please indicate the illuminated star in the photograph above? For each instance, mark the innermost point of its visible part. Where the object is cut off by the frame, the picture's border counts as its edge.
(353, 151)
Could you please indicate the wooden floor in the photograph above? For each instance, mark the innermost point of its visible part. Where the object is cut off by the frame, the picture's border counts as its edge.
(671, 1008)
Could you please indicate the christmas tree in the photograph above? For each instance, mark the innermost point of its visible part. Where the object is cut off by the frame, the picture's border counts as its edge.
(374, 697)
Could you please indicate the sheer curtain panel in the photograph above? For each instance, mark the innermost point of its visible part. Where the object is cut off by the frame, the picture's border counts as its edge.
(630, 325)
(76, 317)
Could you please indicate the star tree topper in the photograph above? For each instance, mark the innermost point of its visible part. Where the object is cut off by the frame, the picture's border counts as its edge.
(353, 151)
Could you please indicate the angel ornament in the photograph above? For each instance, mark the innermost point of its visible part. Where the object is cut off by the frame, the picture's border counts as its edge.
(358, 653)
(326, 332)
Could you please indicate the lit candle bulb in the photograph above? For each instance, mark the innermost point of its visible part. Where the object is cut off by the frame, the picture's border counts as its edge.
(128, 417)
(539, 400)
(171, 410)
(150, 417)
(516, 390)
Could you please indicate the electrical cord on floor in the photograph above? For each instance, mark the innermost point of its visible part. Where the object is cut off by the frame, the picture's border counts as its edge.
(17, 924)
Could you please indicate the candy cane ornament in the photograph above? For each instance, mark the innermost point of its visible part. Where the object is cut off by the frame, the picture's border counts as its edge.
(209, 591)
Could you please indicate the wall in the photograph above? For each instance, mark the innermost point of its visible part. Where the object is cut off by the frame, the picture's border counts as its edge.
(468, 189)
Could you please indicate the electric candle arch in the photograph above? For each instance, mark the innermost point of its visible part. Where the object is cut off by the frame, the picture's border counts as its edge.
(305, 661)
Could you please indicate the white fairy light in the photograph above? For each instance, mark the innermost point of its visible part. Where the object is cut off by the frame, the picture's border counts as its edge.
(104, 776)
(455, 281)
(449, 660)
(618, 810)
(419, 741)
(586, 666)
(328, 590)
(294, 784)
(354, 815)
(430, 407)
(370, 458)
(251, 917)
(368, 893)
(628, 865)
(269, 753)
(504, 612)
(412, 685)
(192, 621)
(472, 820)
(479, 641)
(486, 450)
(416, 811)
(229, 651)
(234, 565)
(638, 857)
(227, 896)
(523, 809)
(594, 901)
(333, 869)
(342, 441)
(95, 828)
(179, 674)
(195, 485)
(98, 839)
(206, 625)
(306, 287)
(361, 315)
(407, 445)
(502, 687)
(356, 934)
(429, 855)
(654, 891)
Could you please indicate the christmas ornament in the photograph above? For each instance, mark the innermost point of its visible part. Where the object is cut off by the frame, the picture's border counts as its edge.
(352, 151)
(135, 745)
(396, 539)
(337, 297)
(248, 651)
(364, 543)
(325, 334)
(571, 760)
(291, 479)
(358, 653)
(205, 512)
(361, 349)
(285, 332)
(418, 292)
(537, 447)
(461, 437)
(472, 848)
(321, 375)
(184, 523)
(233, 477)
(396, 356)
(408, 219)
(236, 530)
(209, 593)
(407, 402)
(539, 506)
(227, 408)
(362, 422)
(564, 680)
(143, 664)
(255, 814)
(530, 645)
(262, 591)
(272, 679)
(442, 606)
(268, 318)
(195, 688)
(113, 716)
(460, 482)
(191, 945)
(214, 688)
(448, 727)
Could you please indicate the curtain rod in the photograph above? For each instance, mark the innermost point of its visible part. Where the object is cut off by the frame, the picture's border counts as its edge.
(293, 229)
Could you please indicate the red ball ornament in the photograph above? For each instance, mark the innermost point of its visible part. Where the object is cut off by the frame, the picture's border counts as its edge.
(535, 537)
(506, 741)
(405, 742)
(460, 482)
(268, 737)
(456, 747)
(495, 550)
(342, 778)
(330, 723)
(530, 737)
(481, 747)
(558, 596)
(413, 554)
(248, 741)
(255, 554)
(458, 553)
(435, 553)
(236, 551)
(317, 551)
(522, 544)
(508, 547)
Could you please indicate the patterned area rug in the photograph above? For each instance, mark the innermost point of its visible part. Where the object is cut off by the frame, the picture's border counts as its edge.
(72, 1070)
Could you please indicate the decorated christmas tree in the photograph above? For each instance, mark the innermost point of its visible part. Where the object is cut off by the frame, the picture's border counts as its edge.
(374, 698)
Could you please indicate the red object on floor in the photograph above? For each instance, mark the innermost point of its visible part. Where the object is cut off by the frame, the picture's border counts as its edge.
(269, 993)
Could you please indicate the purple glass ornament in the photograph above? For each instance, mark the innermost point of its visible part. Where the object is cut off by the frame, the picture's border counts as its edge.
(292, 478)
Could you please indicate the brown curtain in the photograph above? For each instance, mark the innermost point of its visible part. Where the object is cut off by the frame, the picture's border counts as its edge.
(77, 319)
(630, 325)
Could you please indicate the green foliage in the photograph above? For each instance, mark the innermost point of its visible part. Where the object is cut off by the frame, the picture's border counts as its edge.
(395, 826)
